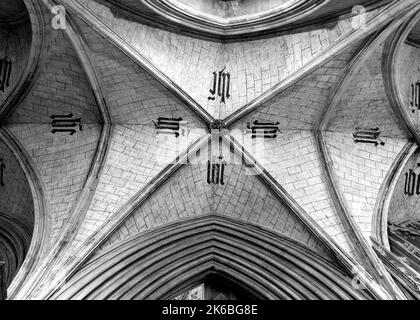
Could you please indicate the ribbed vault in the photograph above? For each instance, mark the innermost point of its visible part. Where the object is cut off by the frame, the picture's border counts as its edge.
(294, 218)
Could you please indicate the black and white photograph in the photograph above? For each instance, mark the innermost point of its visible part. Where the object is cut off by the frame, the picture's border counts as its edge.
(209, 155)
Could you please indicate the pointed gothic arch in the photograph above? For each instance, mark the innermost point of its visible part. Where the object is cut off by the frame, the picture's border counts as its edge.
(165, 261)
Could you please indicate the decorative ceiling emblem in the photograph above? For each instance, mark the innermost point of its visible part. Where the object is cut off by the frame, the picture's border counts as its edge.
(371, 136)
(265, 130)
(221, 86)
(65, 123)
(168, 126)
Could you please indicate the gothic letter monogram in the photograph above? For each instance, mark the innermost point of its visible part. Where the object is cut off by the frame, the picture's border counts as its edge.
(368, 136)
(168, 126)
(65, 124)
(264, 130)
(221, 86)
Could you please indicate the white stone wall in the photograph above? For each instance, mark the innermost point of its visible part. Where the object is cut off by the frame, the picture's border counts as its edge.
(244, 197)
(255, 66)
(62, 88)
(361, 168)
(294, 162)
(292, 158)
(300, 106)
(136, 154)
(62, 160)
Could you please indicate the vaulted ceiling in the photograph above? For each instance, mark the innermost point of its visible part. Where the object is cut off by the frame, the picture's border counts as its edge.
(310, 67)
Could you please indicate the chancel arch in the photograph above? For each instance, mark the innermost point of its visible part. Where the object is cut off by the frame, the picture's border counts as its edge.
(167, 261)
